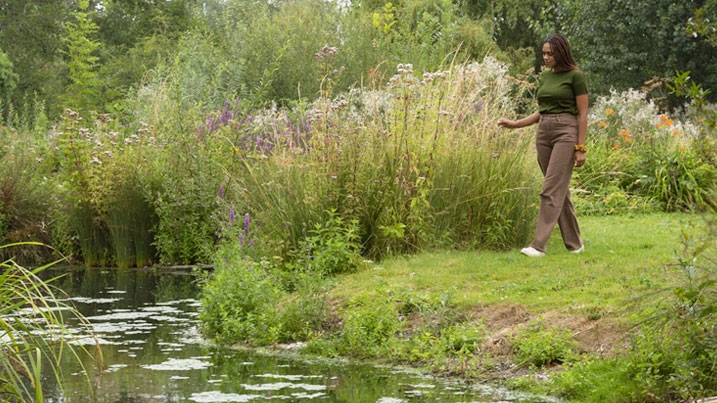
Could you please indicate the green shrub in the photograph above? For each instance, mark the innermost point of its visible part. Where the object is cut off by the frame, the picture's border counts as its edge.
(645, 158)
(368, 326)
(239, 300)
(463, 338)
(183, 192)
(305, 312)
(674, 357)
(594, 380)
(540, 346)
(440, 349)
(331, 247)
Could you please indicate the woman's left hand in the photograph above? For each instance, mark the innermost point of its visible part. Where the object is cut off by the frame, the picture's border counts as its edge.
(579, 158)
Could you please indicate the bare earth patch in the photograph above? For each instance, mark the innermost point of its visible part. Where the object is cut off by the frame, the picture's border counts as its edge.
(600, 337)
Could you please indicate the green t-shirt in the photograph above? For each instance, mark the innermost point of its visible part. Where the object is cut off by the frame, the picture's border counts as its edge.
(557, 91)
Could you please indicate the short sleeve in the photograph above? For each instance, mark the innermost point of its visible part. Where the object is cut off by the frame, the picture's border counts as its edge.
(580, 83)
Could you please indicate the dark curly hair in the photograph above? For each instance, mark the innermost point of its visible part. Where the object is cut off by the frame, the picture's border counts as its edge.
(561, 52)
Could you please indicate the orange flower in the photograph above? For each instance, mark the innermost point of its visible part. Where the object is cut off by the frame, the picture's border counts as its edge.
(616, 147)
(609, 111)
(625, 133)
(675, 132)
(628, 139)
(603, 124)
(665, 121)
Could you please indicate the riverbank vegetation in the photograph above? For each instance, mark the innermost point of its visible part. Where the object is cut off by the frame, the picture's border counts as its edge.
(348, 183)
(33, 333)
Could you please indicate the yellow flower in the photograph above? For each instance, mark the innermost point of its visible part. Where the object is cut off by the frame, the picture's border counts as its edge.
(609, 111)
(603, 124)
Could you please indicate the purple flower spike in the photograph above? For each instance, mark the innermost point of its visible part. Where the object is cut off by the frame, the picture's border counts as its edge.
(247, 220)
(221, 192)
(231, 215)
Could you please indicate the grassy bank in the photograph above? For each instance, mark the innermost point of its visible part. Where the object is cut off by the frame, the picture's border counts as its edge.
(625, 257)
(555, 324)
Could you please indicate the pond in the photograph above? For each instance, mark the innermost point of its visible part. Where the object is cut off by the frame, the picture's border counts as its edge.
(147, 326)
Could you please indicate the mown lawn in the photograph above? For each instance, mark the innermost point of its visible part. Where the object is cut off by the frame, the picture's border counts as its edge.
(627, 271)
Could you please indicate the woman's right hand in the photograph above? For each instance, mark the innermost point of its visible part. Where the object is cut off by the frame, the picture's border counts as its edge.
(507, 123)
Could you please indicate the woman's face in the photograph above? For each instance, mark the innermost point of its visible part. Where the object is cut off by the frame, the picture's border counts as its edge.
(548, 57)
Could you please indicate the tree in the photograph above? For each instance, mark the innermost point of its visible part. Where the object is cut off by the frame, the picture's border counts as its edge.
(137, 35)
(8, 83)
(704, 23)
(624, 43)
(30, 33)
(123, 23)
(82, 93)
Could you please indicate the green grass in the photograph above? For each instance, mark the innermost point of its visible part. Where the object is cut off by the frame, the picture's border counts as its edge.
(553, 314)
(627, 260)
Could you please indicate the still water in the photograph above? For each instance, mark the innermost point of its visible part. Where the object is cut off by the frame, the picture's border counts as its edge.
(147, 327)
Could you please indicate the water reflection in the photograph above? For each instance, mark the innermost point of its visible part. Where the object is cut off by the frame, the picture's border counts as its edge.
(152, 351)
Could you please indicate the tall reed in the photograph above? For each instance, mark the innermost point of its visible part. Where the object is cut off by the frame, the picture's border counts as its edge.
(130, 222)
(33, 336)
(420, 165)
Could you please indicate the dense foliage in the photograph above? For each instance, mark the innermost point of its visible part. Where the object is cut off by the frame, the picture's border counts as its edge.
(285, 143)
(262, 52)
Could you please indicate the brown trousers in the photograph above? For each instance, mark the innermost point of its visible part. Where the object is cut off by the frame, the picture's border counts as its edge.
(555, 143)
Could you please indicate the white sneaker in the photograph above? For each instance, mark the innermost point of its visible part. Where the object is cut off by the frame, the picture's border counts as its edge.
(579, 250)
(532, 252)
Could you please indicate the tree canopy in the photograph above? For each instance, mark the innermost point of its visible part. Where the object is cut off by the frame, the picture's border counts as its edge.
(264, 51)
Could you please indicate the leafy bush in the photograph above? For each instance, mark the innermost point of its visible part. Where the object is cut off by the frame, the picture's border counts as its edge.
(239, 300)
(368, 327)
(675, 357)
(305, 313)
(440, 349)
(331, 248)
(540, 346)
(642, 160)
(594, 380)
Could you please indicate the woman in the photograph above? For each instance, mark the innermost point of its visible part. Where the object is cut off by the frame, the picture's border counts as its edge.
(562, 119)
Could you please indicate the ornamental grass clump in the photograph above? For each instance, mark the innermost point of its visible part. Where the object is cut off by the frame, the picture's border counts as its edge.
(418, 165)
(102, 172)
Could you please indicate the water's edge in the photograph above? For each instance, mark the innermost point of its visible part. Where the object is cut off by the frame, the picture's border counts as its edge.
(147, 325)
